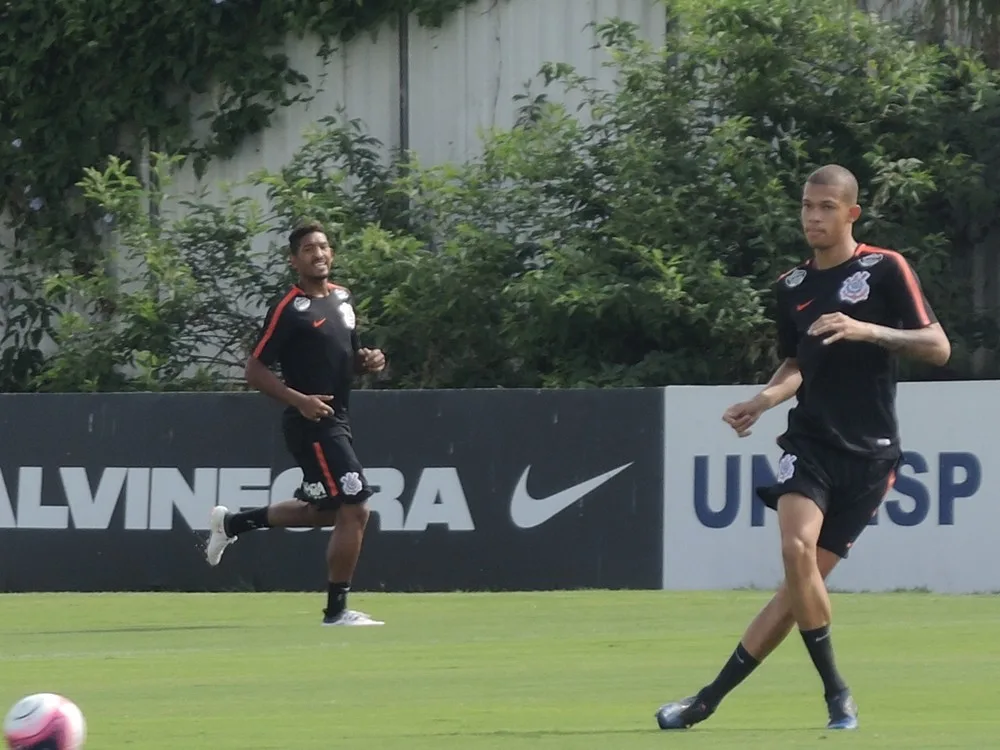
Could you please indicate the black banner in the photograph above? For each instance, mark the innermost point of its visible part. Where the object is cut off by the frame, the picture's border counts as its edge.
(479, 490)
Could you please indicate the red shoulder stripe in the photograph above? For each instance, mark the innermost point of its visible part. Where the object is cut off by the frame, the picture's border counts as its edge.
(909, 278)
(292, 294)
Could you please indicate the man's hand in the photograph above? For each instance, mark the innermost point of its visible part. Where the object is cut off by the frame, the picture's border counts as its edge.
(741, 417)
(314, 408)
(840, 327)
(370, 360)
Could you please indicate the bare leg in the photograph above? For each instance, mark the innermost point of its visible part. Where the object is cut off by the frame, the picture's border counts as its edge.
(775, 621)
(764, 634)
(344, 548)
(342, 555)
(800, 521)
(349, 524)
(225, 527)
(287, 514)
(297, 514)
(801, 599)
(345, 542)
(342, 552)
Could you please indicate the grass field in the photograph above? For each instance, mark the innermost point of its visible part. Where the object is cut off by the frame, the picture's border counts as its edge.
(546, 670)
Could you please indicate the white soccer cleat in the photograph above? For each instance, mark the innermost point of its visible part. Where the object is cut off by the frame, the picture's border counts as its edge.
(351, 618)
(218, 540)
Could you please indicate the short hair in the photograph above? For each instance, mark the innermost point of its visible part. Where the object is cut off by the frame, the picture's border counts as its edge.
(300, 231)
(834, 175)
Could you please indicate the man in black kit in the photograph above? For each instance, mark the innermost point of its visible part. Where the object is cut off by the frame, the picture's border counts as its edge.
(842, 317)
(311, 332)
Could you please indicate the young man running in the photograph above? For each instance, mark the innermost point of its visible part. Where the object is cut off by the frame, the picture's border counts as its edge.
(843, 316)
(311, 332)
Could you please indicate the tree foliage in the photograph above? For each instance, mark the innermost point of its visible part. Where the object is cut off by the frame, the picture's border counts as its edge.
(80, 81)
(974, 21)
(631, 243)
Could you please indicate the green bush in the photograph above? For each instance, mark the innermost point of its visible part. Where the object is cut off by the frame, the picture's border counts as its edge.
(634, 246)
(84, 79)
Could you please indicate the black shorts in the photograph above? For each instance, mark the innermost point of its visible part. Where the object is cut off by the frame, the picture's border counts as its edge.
(331, 472)
(848, 489)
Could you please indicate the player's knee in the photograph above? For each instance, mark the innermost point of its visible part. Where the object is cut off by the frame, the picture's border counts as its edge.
(354, 514)
(797, 550)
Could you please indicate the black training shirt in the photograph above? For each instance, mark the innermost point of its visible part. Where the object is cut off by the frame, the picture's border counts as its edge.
(314, 340)
(848, 393)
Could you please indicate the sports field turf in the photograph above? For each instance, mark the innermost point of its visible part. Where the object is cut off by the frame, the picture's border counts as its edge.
(546, 670)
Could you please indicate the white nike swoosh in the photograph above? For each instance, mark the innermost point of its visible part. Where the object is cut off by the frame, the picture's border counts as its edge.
(528, 512)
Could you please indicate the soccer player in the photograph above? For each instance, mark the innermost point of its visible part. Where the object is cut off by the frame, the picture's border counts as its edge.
(311, 332)
(842, 318)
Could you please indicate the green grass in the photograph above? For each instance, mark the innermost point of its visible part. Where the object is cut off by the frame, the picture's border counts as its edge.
(546, 670)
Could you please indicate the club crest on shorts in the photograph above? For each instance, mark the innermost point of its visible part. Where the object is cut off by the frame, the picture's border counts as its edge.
(350, 483)
(347, 313)
(314, 490)
(870, 259)
(301, 303)
(795, 278)
(855, 288)
(786, 468)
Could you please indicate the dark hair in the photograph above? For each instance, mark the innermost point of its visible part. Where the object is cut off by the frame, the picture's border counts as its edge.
(834, 175)
(300, 231)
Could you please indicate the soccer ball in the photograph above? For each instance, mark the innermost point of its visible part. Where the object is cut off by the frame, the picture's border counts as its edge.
(44, 721)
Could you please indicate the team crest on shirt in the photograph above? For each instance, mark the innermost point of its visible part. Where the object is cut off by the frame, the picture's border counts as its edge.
(786, 468)
(870, 259)
(341, 294)
(855, 288)
(347, 313)
(795, 278)
(301, 303)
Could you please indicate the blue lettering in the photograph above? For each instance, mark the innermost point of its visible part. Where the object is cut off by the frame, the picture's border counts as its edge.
(960, 475)
(761, 476)
(911, 488)
(716, 519)
(949, 490)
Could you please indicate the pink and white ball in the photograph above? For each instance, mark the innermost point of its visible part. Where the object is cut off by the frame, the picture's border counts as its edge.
(44, 721)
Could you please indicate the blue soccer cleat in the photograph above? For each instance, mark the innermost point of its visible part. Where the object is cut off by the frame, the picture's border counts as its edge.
(843, 711)
(683, 714)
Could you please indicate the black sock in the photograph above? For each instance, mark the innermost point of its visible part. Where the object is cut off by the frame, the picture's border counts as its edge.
(247, 520)
(336, 598)
(821, 650)
(737, 669)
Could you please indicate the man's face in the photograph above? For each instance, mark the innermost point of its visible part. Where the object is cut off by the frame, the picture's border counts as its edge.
(827, 216)
(314, 258)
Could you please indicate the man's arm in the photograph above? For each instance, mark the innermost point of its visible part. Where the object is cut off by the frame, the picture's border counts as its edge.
(360, 367)
(260, 377)
(787, 378)
(920, 335)
(274, 335)
(365, 360)
(782, 386)
(929, 344)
